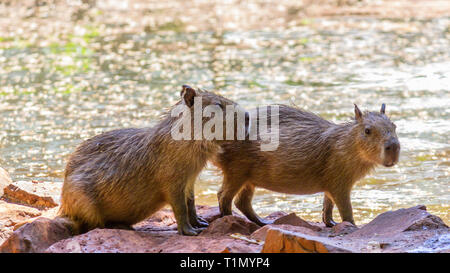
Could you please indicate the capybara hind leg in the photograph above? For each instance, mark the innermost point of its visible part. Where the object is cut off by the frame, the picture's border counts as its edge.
(327, 211)
(226, 194)
(344, 204)
(81, 211)
(178, 201)
(243, 202)
(195, 220)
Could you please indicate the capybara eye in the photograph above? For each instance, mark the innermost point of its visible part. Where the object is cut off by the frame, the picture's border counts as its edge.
(367, 131)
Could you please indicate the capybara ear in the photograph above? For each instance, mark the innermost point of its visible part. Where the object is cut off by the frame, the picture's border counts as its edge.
(188, 94)
(383, 108)
(358, 113)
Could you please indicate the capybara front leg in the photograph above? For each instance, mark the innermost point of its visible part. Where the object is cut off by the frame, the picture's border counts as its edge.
(327, 211)
(243, 202)
(344, 205)
(194, 219)
(180, 209)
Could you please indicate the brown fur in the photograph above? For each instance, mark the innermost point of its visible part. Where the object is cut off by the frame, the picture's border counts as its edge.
(314, 155)
(121, 177)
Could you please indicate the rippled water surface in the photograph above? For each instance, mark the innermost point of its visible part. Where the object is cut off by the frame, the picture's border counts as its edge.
(60, 89)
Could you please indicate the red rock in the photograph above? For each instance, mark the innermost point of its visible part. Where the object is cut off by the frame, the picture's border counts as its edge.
(230, 224)
(261, 233)
(127, 241)
(36, 236)
(11, 215)
(294, 220)
(5, 180)
(275, 215)
(343, 228)
(281, 241)
(392, 222)
(39, 195)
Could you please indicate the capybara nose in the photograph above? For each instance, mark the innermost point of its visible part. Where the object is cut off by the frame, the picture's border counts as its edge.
(392, 151)
(392, 146)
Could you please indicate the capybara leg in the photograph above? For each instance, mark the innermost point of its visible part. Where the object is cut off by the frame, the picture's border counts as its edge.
(344, 205)
(226, 195)
(194, 219)
(243, 202)
(178, 201)
(327, 211)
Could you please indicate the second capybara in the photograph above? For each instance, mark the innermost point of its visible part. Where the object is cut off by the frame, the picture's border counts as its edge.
(121, 177)
(314, 155)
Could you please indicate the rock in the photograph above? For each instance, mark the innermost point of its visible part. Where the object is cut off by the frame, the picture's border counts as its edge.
(5, 180)
(275, 215)
(128, 241)
(261, 233)
(294, 220)
(36, 236)
(230, 224)
(281, 241)
(421, 232)
(165, 219)
(392, 222)
(439, 243)
(343, 228)
(11, 215)
(40, 195)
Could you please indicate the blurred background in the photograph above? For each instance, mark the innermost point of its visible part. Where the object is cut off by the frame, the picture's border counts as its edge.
(72, 69)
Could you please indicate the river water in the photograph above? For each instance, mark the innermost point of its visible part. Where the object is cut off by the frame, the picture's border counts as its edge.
(54, 93)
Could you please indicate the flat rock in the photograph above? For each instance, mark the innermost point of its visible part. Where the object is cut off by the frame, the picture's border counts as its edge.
(282, 241)
(293, 220)
(392, 222)
(36, 194)
(5, 180)
(261, 233)
(128, 241)
(230, 224)
(36, 236)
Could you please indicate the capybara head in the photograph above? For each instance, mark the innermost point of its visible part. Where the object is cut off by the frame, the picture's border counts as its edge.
(376, 138)
(214, 117)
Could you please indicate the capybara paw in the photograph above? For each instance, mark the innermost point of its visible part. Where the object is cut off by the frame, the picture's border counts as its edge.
(201, 222)
(330, 223)
(262, 222)
(189, 231)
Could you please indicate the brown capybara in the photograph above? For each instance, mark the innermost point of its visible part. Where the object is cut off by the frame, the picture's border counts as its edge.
(314, 155)
(121, 177)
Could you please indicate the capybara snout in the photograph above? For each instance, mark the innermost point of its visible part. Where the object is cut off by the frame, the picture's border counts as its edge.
(391, 152)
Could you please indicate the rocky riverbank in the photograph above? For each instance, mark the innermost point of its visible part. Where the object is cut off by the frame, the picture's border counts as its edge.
(26, 225)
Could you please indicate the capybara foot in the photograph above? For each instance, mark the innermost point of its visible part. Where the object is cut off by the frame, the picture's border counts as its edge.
(262, 222)
(199, 222)
(189, 231)
(330, 223)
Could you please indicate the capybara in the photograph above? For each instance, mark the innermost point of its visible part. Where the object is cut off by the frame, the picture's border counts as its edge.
(314, 155)
(121, 177)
